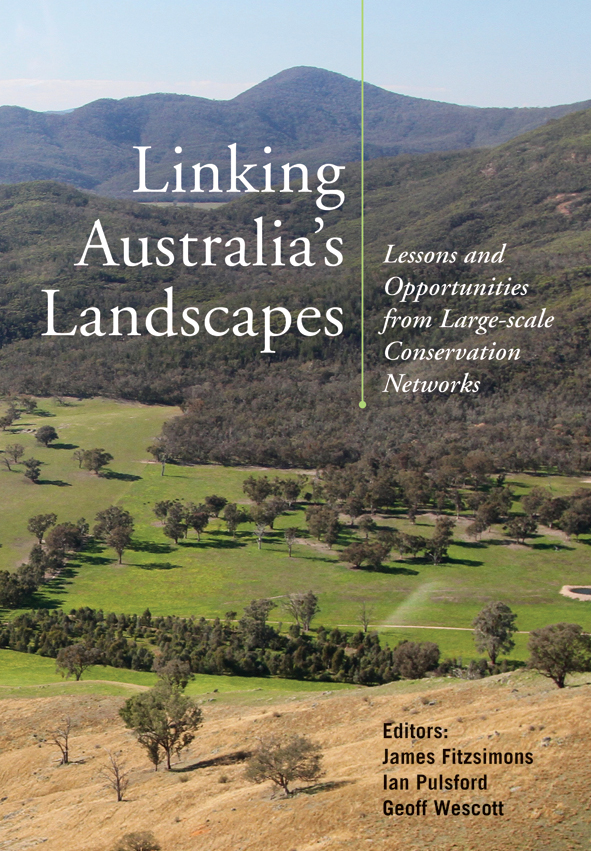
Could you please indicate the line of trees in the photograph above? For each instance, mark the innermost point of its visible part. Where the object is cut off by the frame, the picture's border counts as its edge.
(249, 647)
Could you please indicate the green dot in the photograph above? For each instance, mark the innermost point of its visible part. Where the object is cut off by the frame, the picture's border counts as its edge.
(362, 404)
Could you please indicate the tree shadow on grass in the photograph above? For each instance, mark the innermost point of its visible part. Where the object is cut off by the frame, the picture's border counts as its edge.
(122, 477)
(150, 547)
(40, 601)
(556, 547)
(223, 544)
(224, 759)
(322, 787)
(57, 482)
(482, 545)
(66, 577)
(391, 569)
(92, 560)
(319, 558)
(468, 562)
(395, 569)
(64, 446)
(157, 565)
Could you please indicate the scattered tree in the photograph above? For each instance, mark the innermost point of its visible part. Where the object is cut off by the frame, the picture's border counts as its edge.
(442, 537)
(64, 538)
(111, 518)
(140, 841)
(284, 760)
(214, 504)
(234, 516)
(116, 775)
(259, 533)
(174, 527)
(174, 672)
(197, 518)
(522, 527)
(32, 469)
(162, 718)
(289, 489)
(494, 628)
(366, 615)
(558, 650)
(12, 454)
(291, 535)
(9, 417)
(257, 489)
(40, 523)
(119, 538)
(95, 460)
(367, 524)
(160, 454)
(46, 435)
(376, 553)
(61, 737)
(323, 522)
(355, 554)
(74, 659)
(303, 607)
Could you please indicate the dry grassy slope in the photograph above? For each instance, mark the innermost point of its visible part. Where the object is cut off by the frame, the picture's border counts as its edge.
(68, 807)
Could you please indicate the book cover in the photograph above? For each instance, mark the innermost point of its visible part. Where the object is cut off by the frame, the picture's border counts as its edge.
(295, 446)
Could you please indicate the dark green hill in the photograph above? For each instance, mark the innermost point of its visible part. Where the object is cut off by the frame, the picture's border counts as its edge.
(300, 405)
(304, 114)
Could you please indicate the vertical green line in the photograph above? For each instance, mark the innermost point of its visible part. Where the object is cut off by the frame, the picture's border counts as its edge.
(362, 403)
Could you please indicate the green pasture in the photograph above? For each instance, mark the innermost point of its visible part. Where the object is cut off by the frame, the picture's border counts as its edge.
(24, 675)
(219, 574)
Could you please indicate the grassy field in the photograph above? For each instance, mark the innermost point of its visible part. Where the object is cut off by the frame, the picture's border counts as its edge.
(219, 574)
(23, 675)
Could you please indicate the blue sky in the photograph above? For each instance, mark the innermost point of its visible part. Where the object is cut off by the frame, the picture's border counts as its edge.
(58, 54)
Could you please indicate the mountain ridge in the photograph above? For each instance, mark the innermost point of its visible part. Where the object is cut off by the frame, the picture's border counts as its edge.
(91, 147)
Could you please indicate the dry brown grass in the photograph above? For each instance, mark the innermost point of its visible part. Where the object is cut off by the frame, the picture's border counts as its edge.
(69, 808)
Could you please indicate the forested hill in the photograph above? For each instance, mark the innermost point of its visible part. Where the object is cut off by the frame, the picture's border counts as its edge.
(305, 114)
(299, 405)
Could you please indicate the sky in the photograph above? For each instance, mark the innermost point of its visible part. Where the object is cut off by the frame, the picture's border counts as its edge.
(60, 54)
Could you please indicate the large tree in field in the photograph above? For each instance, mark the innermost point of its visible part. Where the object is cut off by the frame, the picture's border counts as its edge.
(12, 454)
(197, 518)
(558, 650)
(494, 627)
(64, 538)
(163, 719)
(46, 435)
(442, 537)
(291, 535)
(95, 459)
(119, 538)
(522, 527)
(284, 760)
(111, 518)
(74, 659)
(257, 488)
